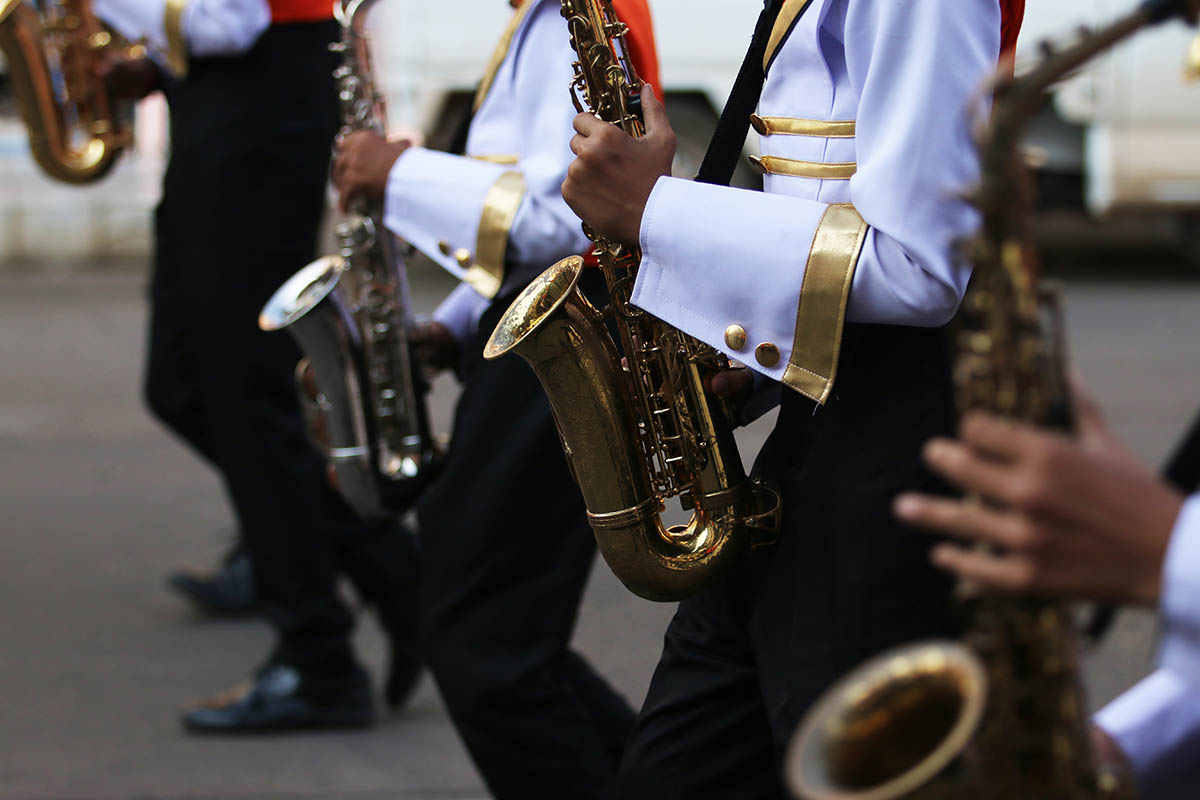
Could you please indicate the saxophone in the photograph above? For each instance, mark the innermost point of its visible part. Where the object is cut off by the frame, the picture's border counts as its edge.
(1001, 714)
(640, 431)
(350, 314)
(74, 134)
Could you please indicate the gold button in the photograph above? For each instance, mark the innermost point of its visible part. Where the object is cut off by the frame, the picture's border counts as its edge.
(767, 354)
(463, 257)
(444, 247)
(735, 337)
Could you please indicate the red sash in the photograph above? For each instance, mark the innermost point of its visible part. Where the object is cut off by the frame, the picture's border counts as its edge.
(1012, 12)
(300, 10)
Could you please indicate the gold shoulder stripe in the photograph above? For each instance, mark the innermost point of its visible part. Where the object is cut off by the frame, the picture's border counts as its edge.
(791, 126)
(821, 313)
(791, 11)
(818, 170)
(501, 51)
(499, 210)
(176, 55)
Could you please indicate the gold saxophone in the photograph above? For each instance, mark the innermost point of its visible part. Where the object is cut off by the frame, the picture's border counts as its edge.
(1002, 714)
(640, 431)
(74, 135)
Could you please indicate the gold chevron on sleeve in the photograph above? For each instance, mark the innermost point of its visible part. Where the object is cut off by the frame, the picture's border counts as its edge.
(818, 170)
(499, 210)
(793, 126)
(821, 313)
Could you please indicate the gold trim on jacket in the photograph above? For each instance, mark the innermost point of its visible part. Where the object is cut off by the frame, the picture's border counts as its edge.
(176, 56)
(791, 11)
(821, 312)
(500, 53)
(818, 170)
(499, 210)
(793, 126)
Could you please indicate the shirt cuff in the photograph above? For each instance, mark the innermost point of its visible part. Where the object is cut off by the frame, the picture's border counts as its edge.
(1157, 726)
(763, 277)
(456, 210)
(460, 312)
(1180, 600)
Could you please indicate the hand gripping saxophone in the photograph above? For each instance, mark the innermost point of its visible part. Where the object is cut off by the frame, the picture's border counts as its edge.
(1000, 715)
(350, 313)
(52, 53)
(642, 430)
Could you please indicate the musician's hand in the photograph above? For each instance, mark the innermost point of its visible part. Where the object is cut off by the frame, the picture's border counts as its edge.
(734, 385)
(128, 78)
(610, 180)
(1080, 518)
(435, 346)
(1106, 750)
(361, 166)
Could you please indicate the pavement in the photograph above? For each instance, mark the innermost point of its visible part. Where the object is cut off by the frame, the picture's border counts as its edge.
(98, 503)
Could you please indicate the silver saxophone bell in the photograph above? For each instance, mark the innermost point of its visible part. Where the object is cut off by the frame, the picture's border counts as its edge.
(375, 478)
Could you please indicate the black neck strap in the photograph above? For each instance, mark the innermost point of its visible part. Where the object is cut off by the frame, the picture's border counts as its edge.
(730, 136)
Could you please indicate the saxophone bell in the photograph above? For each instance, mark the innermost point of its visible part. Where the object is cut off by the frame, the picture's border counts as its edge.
(314, 306)
(563, 337)
(895, 727)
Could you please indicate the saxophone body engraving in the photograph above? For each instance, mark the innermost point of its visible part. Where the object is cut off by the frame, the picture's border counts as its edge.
(350, 313)
(643, 429)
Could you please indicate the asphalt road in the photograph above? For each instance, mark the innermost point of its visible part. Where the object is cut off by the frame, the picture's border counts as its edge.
(98, 503)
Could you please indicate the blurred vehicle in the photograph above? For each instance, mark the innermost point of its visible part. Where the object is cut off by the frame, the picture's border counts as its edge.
(1123, 135)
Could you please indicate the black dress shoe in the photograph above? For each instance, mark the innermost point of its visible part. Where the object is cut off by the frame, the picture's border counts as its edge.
(280, 698)
(228, 590)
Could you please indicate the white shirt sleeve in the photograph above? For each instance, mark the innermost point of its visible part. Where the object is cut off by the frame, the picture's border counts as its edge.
(460, 312)
(713, 256)
(209, 27)
(1180, 602)
(1157, 723)
(1157, 726)
(438, 202)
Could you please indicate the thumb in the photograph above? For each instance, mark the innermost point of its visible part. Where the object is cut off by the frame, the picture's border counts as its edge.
(654, 112)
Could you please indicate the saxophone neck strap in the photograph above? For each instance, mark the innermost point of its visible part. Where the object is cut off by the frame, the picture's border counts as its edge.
(775, 23)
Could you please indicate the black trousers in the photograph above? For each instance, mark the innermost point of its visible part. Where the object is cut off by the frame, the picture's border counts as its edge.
(743, 661)
(506, 552)
(241, 205)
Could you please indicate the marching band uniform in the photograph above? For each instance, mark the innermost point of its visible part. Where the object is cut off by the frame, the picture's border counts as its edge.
(253, 116)
(833, 283)
(504, 567)
(1157, 723)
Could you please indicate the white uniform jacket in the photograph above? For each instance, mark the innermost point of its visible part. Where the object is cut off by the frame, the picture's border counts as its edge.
(174, 29)
(866, 144)
(1157, 723)
(495, 218)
